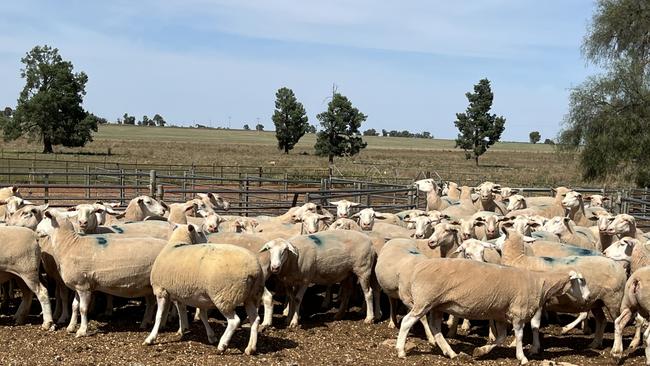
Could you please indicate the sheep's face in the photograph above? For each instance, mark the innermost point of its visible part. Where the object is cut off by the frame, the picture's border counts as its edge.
(14, 203)
(572, 200)
(211, 222)
(86, 217)
(45, 228)
(522, 224)
(487, 190)
(150, 206)
(579, 288)
(622, 224)
(596, 200)
(557, 225)
(279, 250)
(474, 249)
(343, 224)
(507, 192)
(603, 223)
(343, 208)
(621, 250)
(444, 235)
(423, 226)
(516, 202)
(467, 229)
(491, 225)
(298, 212)
(213, 201)
(28, 216)
(311, 222)
(366, 218)
(425, 185)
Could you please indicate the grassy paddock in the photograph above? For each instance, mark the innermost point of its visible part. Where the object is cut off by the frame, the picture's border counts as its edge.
(510, 163)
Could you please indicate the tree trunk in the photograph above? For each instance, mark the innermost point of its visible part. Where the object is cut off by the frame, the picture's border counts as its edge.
(476, 159)
(331, 159)
(47, 145)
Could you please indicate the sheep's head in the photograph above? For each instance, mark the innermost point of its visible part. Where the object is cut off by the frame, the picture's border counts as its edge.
(86, 217)
(13, 203)
(58, 221)
(311, 222)
(621, 250)
(214, 201)
(572, 200)
(367, 217)
(467, 229)
(279, 250)
(474, 249)
(27, 216)
(185, 234)
(423, 226)
(559, 225)
(444, 235)
(9, 191)
(297, 212)
(596, 200)
(487, 190)
(246, 226)
(425, 185)
(149, 206)
(621, 225)
(490, 223)
(603, 222)
(344, 224)
(343, 207)
(507, 192)
(516, 202)
(211, 222)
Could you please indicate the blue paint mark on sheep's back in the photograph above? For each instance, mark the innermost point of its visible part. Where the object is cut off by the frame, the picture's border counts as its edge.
(316, 240)
(101, 241)
(548, 260)
(414, 251)
(117, 229)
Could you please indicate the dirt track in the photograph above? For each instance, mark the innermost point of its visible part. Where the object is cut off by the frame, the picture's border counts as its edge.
(321, 341)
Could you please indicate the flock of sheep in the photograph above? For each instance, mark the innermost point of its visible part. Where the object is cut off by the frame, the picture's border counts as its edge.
(483, 253)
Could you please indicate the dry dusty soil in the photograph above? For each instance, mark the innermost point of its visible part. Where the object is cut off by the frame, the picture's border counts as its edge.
(320, 341)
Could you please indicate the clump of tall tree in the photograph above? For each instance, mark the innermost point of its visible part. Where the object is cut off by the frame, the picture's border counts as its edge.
(478, 128)
(49, 108)
(608, 122)
(339, 134)
(289, 118)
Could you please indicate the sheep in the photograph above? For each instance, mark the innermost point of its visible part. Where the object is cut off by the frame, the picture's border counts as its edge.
(624, 225)
(506, 193)
(635, 300)
(214, 201)
(214, 223)
(345, 224)
(207, 276)
(113, 265)
(596, 200)
(544, 206)
(446, 237)
(343, 207)
(502, 294)
(606, 281)
(516, 202)
(453, 191)
(5, 193)
(474, 249)
(21, 257)
(28, 216)
(313, 222)
(575, 208)
(141, 207)
(396, 261)
(423, 226)
(569, 233)
(486, 201)
(178, 212)
(481, 225)
(324, 258)
(90, 216)
(367, 217)
(13, 203)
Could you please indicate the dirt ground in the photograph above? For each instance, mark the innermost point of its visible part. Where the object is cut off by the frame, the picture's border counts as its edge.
(320, 341)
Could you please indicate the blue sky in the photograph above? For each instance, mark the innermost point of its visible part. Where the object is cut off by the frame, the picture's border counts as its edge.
(406, 64)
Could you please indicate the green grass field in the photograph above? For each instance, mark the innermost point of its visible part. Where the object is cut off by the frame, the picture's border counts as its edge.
(515, 164)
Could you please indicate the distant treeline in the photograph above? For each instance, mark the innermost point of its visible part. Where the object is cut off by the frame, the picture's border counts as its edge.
(394, 133)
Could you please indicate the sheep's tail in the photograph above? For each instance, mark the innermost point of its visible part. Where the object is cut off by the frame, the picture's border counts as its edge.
(634, 292)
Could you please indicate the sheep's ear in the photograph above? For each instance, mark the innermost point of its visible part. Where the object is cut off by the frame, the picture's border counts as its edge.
(43, 207)
(202, 195)
(479, 223)
(191, 228)
(573, 275)
(189, 207)
(355, 216)
(553, 190)
(334, 202)
(587, 198)
(324, 217)
(460, 249)
(265, 248)
(566, 219)
(605, 198)
(354, 204)
(514, 190)
(99, 210)
(482, 219)
(454, 222)
(26, 202)
(140, 200)
(164, 205)
(380, 215)
(408, 219)
(292, 249)
(73, 208)
(3, 202)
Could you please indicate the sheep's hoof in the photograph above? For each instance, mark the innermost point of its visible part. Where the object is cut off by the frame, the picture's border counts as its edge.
(533, 350)
(595, 344)
(634, 344)
(339, 316)
(262, 327)
(80, 334)
(391, 325)
(249, 351)
(48, 326)
(401, 353)
(368, 320)
(147, 342)
(293, 325)
(221, 350)
(212, 339)
(565, 330)
(618, 354)
(523, 361)
(71, 328)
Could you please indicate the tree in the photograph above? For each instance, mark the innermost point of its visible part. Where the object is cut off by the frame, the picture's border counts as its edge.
(8, 112)
(159, 120)
(311, 129)
(246, 127)
(384, 133)
(128, 120)
(50, 105)
(259, 127)
(534, 137)
(370, 132)
(549, 142)
(340, 134)
(608, 123)
(290, 119)
(478, 128)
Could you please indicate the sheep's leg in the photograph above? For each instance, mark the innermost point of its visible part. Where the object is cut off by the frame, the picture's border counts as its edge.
(407, 323)
(203, 315)
(501, 333)
(492, 331)
(183, 325)
(37, 288)
(619, 325)
(639, 322)
(108, 311)
(601, 322)
(57, 304)
(519, 336)
(267, 301)
(535, 322)
(254, 319)
(647, 351)
(75, 314)
(162, 306)
(148, 312)
(25, 303)
(436, 329)
(327, 301)
(197, 314)
(84, 304)
(233, 323)
(392, 320)
(376, 296)
(346, 291)
(466, 326)
(295, 309)
(427, 328)
(582, 317)
(364, 281)
(452, 324)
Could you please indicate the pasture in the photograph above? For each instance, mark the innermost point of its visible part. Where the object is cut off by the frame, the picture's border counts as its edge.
(511, 163)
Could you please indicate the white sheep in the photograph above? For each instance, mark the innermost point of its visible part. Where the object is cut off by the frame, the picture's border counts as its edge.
(214, 201)
(207, 276)
(596, 200)
(142, 207)
(635, 300)
(487, 199)
(343, 207)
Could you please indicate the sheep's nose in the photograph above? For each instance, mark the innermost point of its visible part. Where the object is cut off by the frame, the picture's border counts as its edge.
(419, 236)
(344, 215)
(212, 229)
(275, 269)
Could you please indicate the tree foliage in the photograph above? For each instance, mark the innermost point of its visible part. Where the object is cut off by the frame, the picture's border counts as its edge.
(534, 137)
(259, 127)
(49, 107)
(290, 119)
(246, 127)
(478, 128)
(159, 120)
(370, 132)
(128, 120)
(340, 124)
(609, 114)
(311, 129)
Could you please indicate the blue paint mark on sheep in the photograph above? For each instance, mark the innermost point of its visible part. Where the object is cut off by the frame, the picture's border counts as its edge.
(117, 229)
(564, 261)
(101, 241)
(316, 240)
(414, 251)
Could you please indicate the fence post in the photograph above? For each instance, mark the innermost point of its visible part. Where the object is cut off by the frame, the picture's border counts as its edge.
(67, 178)
(160, 192)
(184, 185)
(122, 187)
(368, 199)
(323, 188)
(286, 185)
(87, 181)
(152, 183)
(246, 189)
(193, 173)
(46, 193)
(259, 173)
